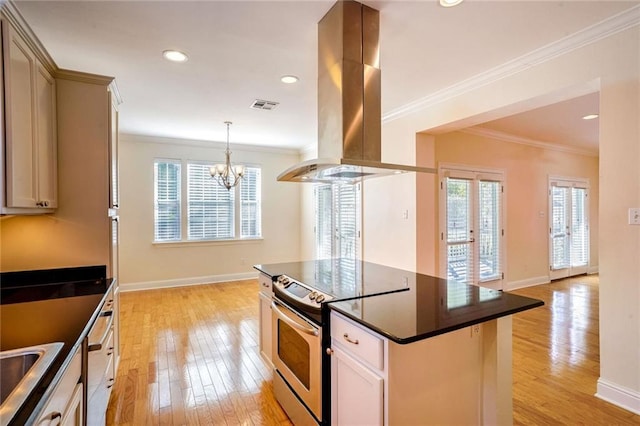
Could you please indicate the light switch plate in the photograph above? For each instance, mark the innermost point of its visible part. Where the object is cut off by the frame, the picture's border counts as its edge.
(634, 216)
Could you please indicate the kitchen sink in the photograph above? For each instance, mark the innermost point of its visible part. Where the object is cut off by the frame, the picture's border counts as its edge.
(22, 369)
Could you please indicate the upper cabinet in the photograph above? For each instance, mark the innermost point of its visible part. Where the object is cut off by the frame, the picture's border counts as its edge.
(30, 136)
(114, 101)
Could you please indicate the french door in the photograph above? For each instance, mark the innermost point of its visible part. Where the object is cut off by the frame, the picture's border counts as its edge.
(471, 227)
(338, 218)
(568, 227)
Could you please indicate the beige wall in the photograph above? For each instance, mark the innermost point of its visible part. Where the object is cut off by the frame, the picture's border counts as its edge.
(611, 64)
(527, 170)
(144, 264)
(77, 234)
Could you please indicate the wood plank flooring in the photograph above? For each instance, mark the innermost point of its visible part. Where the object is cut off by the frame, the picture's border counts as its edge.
(556, 358)
(190, 356)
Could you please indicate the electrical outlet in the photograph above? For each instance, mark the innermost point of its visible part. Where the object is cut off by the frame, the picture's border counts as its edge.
(634, 216)
(405, 214)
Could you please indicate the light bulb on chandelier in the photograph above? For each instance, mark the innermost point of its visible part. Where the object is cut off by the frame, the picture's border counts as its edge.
(227, 175)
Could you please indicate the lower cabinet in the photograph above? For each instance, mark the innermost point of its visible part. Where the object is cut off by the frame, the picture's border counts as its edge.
(265, 327)
(356, 392)
(458, 378)
(74, 414)
(265, 298)
(65, 404)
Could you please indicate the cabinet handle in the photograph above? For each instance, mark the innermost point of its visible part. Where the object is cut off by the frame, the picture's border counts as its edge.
(346, 337)
(329, 351)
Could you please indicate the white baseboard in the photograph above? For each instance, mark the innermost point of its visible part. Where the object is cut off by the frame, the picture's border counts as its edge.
(618, 395)
(181, 282)
(592, 270)
(514, 285)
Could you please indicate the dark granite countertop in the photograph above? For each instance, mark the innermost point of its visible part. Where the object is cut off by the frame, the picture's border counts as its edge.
(343, 278)
(401, 305)
(44, 306)
(431, 306)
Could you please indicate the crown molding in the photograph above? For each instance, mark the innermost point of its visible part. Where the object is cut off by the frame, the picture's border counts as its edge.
(113, 88)
(139, 138)
(84, 77)
(507, 137)
(11, 13)
(601, 30)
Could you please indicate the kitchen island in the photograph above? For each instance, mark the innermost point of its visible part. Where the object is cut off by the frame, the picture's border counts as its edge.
(406, 348)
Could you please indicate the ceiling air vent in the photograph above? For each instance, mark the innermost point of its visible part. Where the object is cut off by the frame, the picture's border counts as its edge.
(260, 104)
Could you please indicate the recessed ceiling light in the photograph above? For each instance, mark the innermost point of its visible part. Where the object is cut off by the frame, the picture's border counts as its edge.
(450, 3)
(175, 56)
(590, 117)
(289, 79)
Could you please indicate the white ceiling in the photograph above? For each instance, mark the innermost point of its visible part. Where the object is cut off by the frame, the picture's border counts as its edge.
(239, 49)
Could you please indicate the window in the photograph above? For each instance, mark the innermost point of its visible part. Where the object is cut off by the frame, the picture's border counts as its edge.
(167, 200)
(250, 204)
(211, 211)
(210, 206)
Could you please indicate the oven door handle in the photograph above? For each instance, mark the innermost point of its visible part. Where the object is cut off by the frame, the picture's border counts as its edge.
(307, 330)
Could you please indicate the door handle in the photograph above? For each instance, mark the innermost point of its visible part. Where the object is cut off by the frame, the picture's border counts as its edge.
(307, 330)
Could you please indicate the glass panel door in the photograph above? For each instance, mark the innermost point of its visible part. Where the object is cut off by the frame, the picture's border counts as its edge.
(459, 230)
(472, 227)
(490, 230)
(559, 229)
(568, 229)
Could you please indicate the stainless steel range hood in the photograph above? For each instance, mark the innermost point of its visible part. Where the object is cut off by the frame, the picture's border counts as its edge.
(349, 108)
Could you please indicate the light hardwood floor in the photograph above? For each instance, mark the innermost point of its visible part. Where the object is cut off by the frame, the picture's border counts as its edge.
(556, 358)
(190, 356)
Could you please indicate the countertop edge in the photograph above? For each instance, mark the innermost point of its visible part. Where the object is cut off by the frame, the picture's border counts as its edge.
(418, 337)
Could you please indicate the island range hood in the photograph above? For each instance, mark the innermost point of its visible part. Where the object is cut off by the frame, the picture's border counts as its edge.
(349, 104)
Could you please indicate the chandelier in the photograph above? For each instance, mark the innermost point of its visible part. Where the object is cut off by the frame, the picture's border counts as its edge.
(227, 175)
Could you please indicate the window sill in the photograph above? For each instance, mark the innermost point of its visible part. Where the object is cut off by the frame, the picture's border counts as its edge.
(204, 243)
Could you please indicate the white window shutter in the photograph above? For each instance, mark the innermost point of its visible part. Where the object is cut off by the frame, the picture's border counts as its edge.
(167, 200)
(251, 203)
(210, 207)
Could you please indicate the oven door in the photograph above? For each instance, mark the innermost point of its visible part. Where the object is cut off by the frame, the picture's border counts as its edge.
(297, 348)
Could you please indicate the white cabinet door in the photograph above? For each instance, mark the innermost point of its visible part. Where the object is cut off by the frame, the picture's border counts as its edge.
(114, 192)
(47, 145)
(73, 413)
(20, 119)
(265, 327)
(62, 402)
(356, 392)
(30, 120)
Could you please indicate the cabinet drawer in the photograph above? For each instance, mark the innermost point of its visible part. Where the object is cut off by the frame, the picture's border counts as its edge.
(355, 340)
(264, 281)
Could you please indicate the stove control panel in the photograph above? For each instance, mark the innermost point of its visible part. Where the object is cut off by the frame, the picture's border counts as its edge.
(300, 291)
